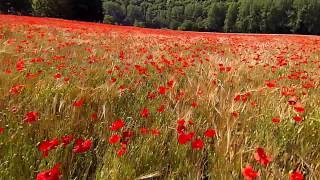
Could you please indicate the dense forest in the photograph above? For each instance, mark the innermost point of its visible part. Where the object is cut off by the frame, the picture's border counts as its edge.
(250, 16)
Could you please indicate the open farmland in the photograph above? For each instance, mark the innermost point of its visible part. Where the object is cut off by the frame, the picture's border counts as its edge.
(90, 101)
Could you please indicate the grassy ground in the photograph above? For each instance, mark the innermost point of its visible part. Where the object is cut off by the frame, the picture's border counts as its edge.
(78, 79)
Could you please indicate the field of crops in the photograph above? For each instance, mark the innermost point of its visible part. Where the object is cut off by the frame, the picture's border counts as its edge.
(91, 101)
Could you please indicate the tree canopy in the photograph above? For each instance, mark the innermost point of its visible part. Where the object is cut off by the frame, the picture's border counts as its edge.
(251, 16)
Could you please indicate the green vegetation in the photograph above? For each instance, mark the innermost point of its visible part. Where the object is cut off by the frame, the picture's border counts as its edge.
(250, 16)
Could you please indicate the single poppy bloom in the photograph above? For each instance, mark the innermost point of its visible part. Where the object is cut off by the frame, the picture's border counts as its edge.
(67, 139)
(161, 109)
(299, 108)
(94, 116)
(78, 103)
(170, 83)
(155, 132)
(117, 125)
(31, 117)
(144, 112)
(16, 89)
(127, 134)
(48, 145)
(82, 146)
(197, 144)
(271, 85)
(210, 133)
(237, 98)
(20, 65)
(235, 114)
(66, 79)
(297, 118)
(151, 95)
(1, 130)
(181, 122)
(144, 130)
(296, 175)
(121, 152)
(52, 174)
(194, 104)
(292, 101)
(113, 79)
(114, 139)
(7, 71)
(184, 138)
(249, 173)
(261, 157)
(276, 120)
(162, 90)
(57, 76)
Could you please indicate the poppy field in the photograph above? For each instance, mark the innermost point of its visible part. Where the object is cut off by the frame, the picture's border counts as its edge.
(92, 101)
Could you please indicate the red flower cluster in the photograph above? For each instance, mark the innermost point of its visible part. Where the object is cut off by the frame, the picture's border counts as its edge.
(48, 145)
(81, 145)
(52, 174)
(261, 157)
(31, 117)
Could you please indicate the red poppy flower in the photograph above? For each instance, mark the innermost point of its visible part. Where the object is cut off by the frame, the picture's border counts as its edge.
(1, 130)
(121, 152)
(78, 103)
(127, 134)
(20, 65)
(210, 133)
(271, 84)
(162, 90)
(181, 122)
(31, 117)
(144, 112)
(155, 132)
(82, 146)
(16, 89)
(151, 95)
(170, 83)
(52, 174)
(235, 114)
(161, 109)
(114, 139)
(276, 120)
(297, 118)
(94, 116)
(194, 104)
(249, 173)
(7, 71)
(66, 139)
(144, 130)
(197, 144)
(57, 76)
(117, 125)
(181, 127)
(184, 138)
(48, 145)
(296, 175)
(113, 79)
(261, 157)
(293, 100)
(237, 98)
(298, 107)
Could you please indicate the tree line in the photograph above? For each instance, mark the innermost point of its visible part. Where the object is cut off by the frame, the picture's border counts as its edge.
(249, 16)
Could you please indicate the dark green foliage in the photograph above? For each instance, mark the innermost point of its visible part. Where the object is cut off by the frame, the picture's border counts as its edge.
(22, 7)
(54, 8)
(216, 16)
(231, 18)
(247, 16)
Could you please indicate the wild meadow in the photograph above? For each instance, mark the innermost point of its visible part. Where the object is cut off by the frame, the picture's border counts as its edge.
(90, 101)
